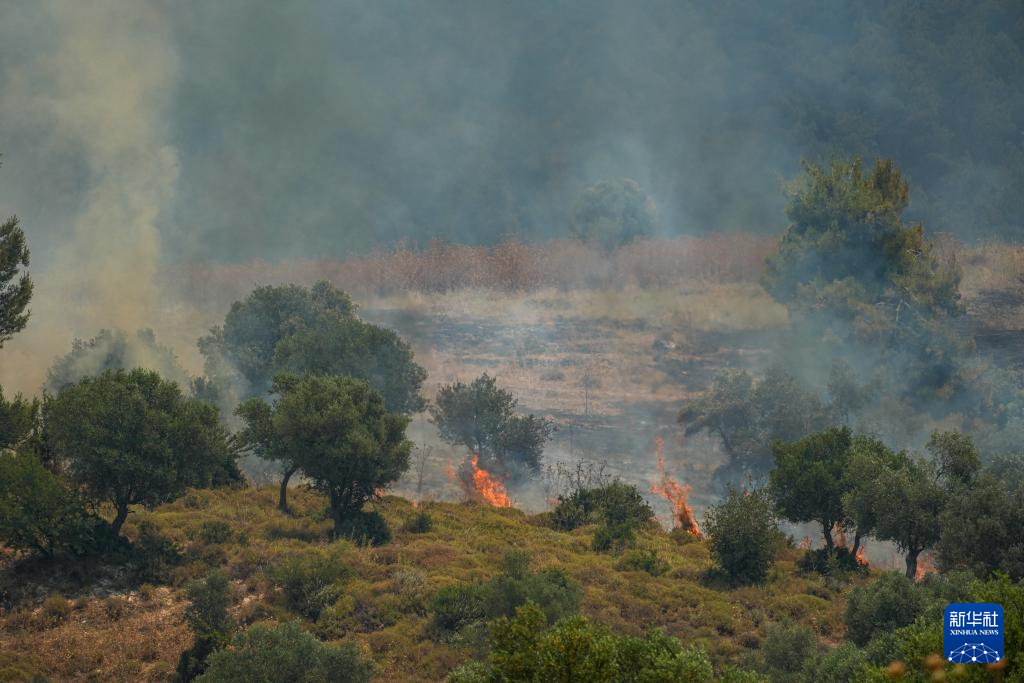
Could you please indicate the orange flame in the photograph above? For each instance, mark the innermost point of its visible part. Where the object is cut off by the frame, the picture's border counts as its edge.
(675, 493)
(805, 543)
(862, 560)
(925, 566)
(487, 487)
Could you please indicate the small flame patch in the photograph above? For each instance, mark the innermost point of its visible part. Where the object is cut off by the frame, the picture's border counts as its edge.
(675, 493)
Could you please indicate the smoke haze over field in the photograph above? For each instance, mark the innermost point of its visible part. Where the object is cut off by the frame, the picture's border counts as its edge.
(146, 133)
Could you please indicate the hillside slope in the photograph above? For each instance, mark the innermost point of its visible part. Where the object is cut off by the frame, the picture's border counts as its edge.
(113, 630)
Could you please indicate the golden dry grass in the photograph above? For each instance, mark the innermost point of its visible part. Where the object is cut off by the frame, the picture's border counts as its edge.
(387, 619)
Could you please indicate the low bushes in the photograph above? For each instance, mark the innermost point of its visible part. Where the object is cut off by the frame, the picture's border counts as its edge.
(523, 649)
(455, 607)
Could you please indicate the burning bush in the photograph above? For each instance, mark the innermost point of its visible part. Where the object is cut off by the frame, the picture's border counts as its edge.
(481, 416)
(675, 493)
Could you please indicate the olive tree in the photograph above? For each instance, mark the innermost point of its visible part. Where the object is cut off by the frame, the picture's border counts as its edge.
(482, 417)
(132, 438)
(336, 431)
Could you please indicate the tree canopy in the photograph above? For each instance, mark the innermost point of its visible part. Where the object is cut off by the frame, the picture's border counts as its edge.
(337, 432)
(15, 282)
(482, 417)
(131, 438)
(809, 479)
(316, 331)
(847, 235)
(614, 212)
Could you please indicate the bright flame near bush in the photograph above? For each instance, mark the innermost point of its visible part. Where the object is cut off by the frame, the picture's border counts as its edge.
(675, 493)
(489, 488)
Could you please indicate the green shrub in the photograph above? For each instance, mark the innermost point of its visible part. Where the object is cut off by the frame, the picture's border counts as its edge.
(836, 563)
(523, 649)
(614, 504)
(786, 649)
(215, 531)
(310, 582)
(39, 512)
(613, 537)
(456, 606)
(153, 555)
(420, 523)
(886, 604)
(55, 610)
(207, 615)
(743, 535)
(839, 665)
(364, 528)
(413, 590)
(643, 561)
(553, 589)
(284, 652)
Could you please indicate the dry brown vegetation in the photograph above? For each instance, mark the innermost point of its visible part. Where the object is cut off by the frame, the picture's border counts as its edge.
(507, 267)
(384, 600)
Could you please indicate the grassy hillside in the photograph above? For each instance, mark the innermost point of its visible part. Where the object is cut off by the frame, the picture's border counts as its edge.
(112, 630)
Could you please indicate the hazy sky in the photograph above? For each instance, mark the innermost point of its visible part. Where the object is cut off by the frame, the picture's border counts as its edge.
(236, 130)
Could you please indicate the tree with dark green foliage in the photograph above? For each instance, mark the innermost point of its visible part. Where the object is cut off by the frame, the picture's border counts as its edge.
(39, 512)
(15, 282)
(846, 230)
(743, 534)
(207, 615)
(132, 438)
(992, 509)
(906, 500)
(890, 602)
(787, 649)
(810, 479)
(481, 416)
(617, 507)
(902, 499)
(525, 649)
(852, 272)
(309, 331)
(615, 212)
(337, 432)
(18, 419)
(284, 652)
(749, 416)
(869, 458)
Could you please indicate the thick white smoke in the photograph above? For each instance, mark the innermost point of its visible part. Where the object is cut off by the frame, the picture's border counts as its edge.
(101, 86)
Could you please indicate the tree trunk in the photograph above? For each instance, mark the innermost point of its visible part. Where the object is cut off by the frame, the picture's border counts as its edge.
(282, 500)
(856, 543)
(912, 563)
(122, 514)
(827, 530)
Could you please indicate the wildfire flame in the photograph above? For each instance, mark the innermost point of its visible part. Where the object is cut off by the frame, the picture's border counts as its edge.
(840, 535)
(478, 484)
(489, 487)
(675, 493)
(925, 566)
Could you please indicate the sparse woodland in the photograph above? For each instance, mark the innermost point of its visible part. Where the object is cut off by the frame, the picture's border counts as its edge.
(278, 517)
